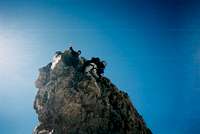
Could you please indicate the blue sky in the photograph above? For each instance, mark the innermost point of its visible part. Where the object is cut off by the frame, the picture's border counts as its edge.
(152, 49)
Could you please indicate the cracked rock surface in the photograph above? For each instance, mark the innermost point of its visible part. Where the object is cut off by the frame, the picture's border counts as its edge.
(70, 102)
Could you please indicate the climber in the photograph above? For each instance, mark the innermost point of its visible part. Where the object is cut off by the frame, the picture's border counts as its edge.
(74, 53)
(94, 66)
(74, 58)
(101, 66)
(87, 63)
(91, 69)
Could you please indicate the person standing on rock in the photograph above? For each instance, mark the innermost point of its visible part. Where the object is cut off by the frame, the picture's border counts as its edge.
(75, 53)
(74, 56)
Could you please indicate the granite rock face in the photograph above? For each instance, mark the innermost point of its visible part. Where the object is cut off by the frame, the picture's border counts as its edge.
(70, 102)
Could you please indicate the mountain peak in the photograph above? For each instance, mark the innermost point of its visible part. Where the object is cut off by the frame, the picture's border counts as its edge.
(72, 100)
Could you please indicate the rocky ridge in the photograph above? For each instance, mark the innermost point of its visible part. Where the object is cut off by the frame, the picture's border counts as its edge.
(70, 102)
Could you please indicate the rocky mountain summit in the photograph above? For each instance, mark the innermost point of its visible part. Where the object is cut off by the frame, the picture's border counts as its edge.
(70, 102)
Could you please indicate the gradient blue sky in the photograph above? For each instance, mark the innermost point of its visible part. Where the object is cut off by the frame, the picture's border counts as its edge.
(152, 49)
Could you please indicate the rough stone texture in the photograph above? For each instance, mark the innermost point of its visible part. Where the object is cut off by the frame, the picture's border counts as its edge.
(69, 102)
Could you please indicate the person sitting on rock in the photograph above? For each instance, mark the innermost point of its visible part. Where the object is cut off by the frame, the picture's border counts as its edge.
(75, 53)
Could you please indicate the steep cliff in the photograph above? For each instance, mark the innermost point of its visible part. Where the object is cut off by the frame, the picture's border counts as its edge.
(70, 102)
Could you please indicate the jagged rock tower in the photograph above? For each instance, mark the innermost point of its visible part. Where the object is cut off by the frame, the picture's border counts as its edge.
(70, 102)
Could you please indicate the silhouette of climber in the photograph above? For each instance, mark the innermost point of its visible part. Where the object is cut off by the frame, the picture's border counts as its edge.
(74, 56)
(101, 66)
(75, 53)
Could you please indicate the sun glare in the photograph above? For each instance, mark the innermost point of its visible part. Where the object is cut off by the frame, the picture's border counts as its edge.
(9, 52)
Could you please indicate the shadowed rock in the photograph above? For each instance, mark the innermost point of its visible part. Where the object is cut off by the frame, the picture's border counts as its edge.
(69, 102)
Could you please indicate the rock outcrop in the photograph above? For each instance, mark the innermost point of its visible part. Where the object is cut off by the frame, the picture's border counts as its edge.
(70, 102)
